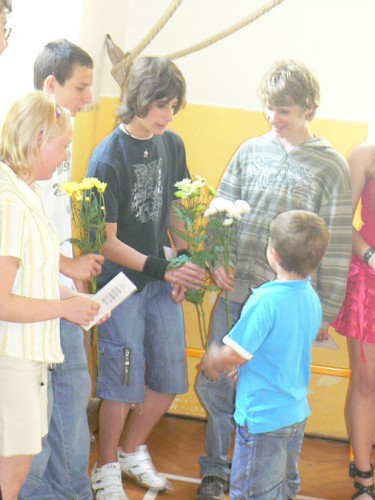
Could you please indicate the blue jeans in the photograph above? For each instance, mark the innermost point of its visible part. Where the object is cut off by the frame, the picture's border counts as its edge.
(218, 398)
(261, 463)
(60, 471)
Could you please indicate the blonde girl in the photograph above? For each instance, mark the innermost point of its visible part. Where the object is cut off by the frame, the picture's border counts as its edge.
(33, 142)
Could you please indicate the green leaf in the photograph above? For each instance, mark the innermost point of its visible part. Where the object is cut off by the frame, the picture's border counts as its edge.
(181, 234)
(195, 296)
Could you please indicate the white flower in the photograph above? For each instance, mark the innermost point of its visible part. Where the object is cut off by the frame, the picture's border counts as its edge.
(200, 181)
(209, 212)
(239, 209)
(183, 184)
(220, 205)
(243, 206)
(234, 212)
(228, 222)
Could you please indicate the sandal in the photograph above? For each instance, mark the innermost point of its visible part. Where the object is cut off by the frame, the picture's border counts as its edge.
(363, 489)
(353, 471)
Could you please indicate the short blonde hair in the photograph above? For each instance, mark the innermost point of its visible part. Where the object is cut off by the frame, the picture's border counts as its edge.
(30, 123)
(288, 83)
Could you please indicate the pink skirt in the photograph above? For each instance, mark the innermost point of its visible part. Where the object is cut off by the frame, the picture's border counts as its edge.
(357, 314)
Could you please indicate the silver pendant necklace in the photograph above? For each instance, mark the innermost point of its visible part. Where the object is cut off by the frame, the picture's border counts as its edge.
(145, 152)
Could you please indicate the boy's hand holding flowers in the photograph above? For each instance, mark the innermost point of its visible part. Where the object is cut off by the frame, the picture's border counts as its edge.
(208, 233)
(224, 279)
(178, 294)
(188, 275)
(223, 216)
(193, 198)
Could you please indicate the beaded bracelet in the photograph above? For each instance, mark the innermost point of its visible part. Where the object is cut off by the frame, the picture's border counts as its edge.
(368, 254)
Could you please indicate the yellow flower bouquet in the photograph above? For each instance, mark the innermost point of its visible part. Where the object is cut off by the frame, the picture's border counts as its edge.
(88, 215)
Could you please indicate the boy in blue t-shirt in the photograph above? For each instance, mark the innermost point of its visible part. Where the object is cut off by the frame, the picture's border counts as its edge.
(271, 345)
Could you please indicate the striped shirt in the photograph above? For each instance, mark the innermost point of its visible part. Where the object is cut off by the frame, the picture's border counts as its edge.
(312, 176)
(27, 233)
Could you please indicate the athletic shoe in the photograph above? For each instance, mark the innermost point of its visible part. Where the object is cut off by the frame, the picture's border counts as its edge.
(139, 466)
(107, 483)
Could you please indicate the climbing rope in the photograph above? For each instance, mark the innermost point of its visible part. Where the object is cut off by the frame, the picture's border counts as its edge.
(122, 61)
(229, 31)
(156, 28)
(122, 65)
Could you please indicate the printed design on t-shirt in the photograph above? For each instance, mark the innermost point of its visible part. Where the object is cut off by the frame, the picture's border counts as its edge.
(61, 175)
(284, 174)
(147, 192)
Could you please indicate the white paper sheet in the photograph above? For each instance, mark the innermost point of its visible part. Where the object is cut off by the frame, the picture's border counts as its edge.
(326, 344)
(111, 295)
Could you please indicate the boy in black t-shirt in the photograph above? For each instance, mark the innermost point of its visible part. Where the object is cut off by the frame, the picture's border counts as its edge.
(141, 161)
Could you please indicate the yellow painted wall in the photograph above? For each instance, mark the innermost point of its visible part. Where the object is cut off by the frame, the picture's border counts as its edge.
(212, 135)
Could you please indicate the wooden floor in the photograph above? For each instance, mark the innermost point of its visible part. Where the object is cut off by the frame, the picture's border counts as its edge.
(177, 442)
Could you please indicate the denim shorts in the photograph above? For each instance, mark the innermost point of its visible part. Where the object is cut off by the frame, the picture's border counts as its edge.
(143, 343)
(265, 465)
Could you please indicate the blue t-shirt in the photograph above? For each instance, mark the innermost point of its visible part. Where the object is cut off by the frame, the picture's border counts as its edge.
(277, 326)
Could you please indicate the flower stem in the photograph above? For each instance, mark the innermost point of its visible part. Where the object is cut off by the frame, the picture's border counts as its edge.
(202, 325)
(95, 329)
(95, 335)
(227, 310)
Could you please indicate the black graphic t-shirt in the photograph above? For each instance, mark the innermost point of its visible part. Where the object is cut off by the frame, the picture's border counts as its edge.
(140, 175)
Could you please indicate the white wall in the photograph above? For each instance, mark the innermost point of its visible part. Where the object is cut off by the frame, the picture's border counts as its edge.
(98, 18)
(336, 38)
(34, 23)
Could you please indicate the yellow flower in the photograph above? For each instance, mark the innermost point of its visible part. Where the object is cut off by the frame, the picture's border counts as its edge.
(69, 187)
(101, 186)
(86, 183)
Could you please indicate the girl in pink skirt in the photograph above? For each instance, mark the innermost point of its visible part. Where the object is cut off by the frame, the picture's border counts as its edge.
(356, 320)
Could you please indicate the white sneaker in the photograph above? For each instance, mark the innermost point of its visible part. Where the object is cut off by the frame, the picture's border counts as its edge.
(138, 465)
(106, 482)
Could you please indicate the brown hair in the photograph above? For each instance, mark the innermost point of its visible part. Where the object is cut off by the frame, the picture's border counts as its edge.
(300, 238)
(151, 79)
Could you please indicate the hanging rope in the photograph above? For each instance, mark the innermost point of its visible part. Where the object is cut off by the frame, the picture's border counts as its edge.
(229, 31)
(122, 65)
(122, 61)
(157, 27)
